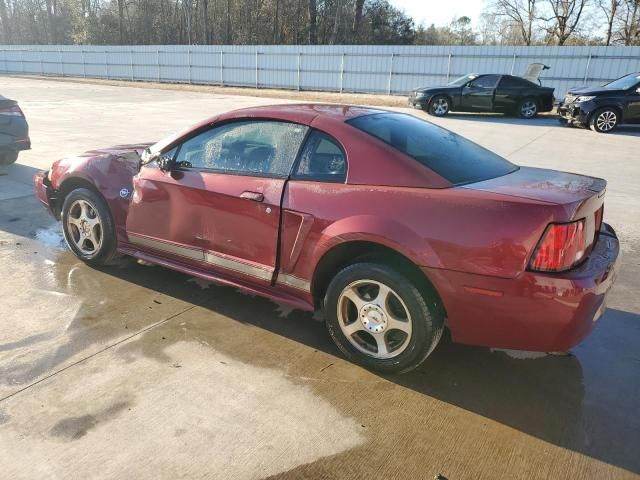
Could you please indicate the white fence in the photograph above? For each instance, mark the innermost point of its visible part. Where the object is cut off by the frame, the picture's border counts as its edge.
(367, 69)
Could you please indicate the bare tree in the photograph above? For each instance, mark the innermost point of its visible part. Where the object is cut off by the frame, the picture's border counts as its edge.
(610, 10)
(313, 26)
(358, 6)
(276, 27)
(629, 22)
(6, 25)
(521, 12)
(120, 21)
(336, 23)
(228, 37)
(51, 18)
(565, 18)
(205, 21)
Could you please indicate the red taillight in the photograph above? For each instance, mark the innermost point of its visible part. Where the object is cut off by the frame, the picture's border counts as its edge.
(14, 111)
(561, 247)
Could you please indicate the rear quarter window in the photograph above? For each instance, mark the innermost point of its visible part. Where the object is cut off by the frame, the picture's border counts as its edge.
(453, 157)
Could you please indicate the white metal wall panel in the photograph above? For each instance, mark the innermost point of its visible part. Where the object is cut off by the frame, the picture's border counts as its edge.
(349, 68)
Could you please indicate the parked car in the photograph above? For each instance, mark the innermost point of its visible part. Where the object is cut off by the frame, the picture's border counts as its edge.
(390, 224)
(14, 131)
(487, 93)
(603, 108)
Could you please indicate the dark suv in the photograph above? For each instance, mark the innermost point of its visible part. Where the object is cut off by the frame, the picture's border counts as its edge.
(603, 108)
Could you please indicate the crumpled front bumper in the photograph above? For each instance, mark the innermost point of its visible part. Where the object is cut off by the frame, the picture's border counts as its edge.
(45, 193)
(416, 101)
(573, 114)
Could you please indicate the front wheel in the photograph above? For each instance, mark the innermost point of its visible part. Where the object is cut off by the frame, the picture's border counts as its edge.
(527, 108)
(439, 106)
(604, 120)
(379, 319)
(7, 158)
(88, 227)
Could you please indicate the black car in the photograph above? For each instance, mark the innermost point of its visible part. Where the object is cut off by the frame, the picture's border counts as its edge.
(14, 131)
(488, 93)
(603, 108)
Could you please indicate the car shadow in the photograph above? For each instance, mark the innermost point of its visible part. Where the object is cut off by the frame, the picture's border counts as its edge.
(547, 120)
(20, 212)
(627, 130)
(574, 401)
(539, 121)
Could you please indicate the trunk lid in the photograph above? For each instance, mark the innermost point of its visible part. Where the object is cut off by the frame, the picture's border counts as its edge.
(533, 72)
(580, 196)
(543, 185)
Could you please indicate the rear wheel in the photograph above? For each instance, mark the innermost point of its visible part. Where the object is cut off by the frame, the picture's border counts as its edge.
(604, 120)
(379, 319)
(7, 158)
(439, 106)
(527, 108)
(88, 227)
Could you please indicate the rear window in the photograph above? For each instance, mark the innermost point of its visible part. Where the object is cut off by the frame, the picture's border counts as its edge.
(451, 156)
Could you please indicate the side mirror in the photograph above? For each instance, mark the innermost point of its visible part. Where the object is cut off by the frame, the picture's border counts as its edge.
(165, 163)
(638, 90)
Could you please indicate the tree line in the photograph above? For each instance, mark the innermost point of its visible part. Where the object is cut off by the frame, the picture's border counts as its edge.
(324, 22)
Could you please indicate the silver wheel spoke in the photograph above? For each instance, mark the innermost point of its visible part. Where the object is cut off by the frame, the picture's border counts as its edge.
(403, 326)
(74, 221)
(382, 296)
(383, 351)
(84, 210)
(352, 294)
(352, 328)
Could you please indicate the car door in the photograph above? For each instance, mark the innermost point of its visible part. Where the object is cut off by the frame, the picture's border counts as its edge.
(509, 92)
(478, 94)
(221, 204)
(632, 110)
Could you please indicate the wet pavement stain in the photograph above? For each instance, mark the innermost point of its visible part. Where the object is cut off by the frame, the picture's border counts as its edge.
(74, 428)
(4, 418)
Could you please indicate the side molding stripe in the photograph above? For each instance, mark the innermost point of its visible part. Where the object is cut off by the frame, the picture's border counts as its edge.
(223, 261)
(294, 282)
(256, 271)
(174, 249)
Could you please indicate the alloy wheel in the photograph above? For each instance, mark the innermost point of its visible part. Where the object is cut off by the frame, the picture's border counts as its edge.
(440, 106)
(528, 109)
(374, 319)
(85, 227)
(606, 121)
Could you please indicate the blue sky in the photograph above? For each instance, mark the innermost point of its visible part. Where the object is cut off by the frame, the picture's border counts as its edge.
(440, 12)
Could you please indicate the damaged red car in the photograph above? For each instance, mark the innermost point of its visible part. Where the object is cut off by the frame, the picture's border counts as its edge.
(393, 226)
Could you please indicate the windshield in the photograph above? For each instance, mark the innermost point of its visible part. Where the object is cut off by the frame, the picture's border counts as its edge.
(451, 156)
(458, 82)
(624, 83)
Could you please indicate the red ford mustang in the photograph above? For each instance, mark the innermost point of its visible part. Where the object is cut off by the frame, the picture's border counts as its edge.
(390, 224)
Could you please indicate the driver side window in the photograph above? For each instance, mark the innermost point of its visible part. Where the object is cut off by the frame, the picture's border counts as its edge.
(259, 147)
(486, 81)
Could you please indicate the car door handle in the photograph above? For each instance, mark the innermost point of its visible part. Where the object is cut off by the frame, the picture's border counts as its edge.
(255, 196)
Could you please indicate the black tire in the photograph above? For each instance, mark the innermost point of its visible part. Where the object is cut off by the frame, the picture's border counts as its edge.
(604, 120)
(7, 158)
(527, 108)
(427, 322)
(439, 106)
(105, 252)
